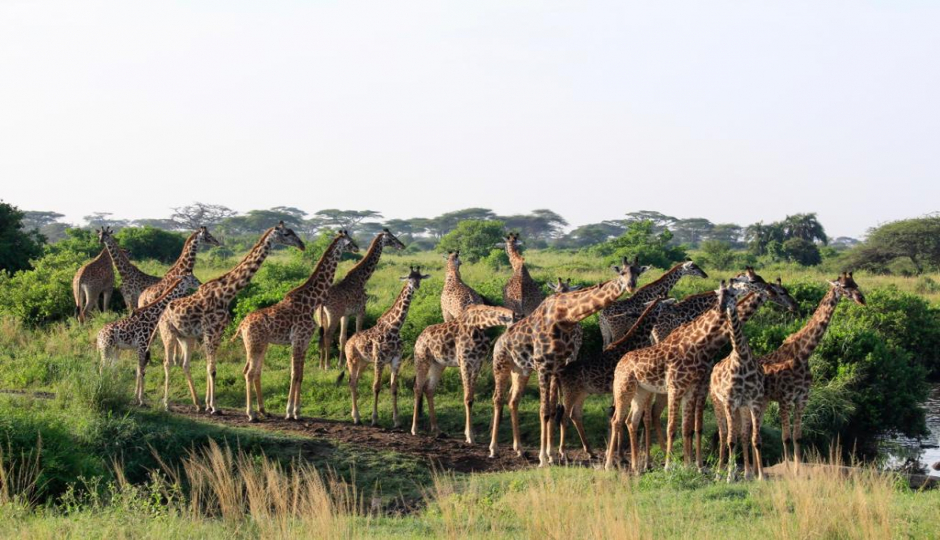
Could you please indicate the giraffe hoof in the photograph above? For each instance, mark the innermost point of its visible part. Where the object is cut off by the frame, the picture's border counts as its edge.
(252, 419)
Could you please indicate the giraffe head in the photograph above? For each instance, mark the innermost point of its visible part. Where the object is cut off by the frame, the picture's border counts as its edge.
(203, 237)
(511, 239)
(281, 234)
(563, 286)
(728, 295)
(629, 272)
(783, 298)
(414, 277)
(845, 286)
(453, 260)
(346, 243)
(689, 268)
(750, 281)
(389, 240)
(104, 233)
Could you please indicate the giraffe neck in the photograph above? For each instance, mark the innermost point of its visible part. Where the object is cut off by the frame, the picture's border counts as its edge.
(742, 350)
(808, 337)
(572, 307)
(124, 266)
(395, 316)
(637, 337)
(364, 269)
(103, 256)
(453, 273)
(238, 278)
(660, 287)
(187, 259)
(321, 278)
(480, 318)
(515, 258)
(749, 305)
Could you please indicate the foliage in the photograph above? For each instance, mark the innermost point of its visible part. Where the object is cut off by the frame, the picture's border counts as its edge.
(770, 239)
(44, 293)
(916, 240)
(151, 243)
(17, 245)
(474, 239)
(639, 240)
(802, 252)
(718, 254)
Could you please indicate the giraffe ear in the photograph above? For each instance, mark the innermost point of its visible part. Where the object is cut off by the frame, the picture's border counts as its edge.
(615, 268)
(644, 268)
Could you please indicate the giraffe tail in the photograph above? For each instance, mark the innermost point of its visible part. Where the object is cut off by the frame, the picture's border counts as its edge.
(339, 380)
(238, 332)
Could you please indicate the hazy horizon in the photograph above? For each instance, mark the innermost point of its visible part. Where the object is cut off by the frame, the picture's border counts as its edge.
(728, 111)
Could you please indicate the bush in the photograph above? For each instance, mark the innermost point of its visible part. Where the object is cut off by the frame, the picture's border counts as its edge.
(43, 294)
(17, 246)
(718, 254)
(640, 241)
(802, 252)
(151, 243)
(475, 239)
(269, 285)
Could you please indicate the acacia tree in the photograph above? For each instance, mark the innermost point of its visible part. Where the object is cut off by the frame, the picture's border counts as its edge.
(805, 227)
(189, 218)
(36, 220)
(333, 218)
(917, 240)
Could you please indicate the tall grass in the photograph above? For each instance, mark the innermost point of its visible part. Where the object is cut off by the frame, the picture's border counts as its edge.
(219, 492)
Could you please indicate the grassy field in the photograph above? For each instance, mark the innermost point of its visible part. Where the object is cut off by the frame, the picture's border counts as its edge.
(85, 427)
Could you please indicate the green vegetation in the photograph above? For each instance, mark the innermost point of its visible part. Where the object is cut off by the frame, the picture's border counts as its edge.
(78, 459)
(151, 243)
(17, 244)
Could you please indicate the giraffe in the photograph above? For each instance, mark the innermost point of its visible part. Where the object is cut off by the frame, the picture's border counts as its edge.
(135, 331)
(459, 343)
(591, 376)
(184, 265)
(348, 298)
(381, 345)
(543, 341)
(521, 294)
(577, 331)
(289, 322)
(786, 370)
(133, 279)
(456, 295)
(688, 310)
(93, 280)
(616, 319)
(677, 366)
(204, 315)
(737, 392)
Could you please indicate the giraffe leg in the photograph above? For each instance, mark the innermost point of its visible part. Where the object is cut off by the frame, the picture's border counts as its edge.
(785, 428)
(672, 407)
(616, 427)
(355, 368)
(468, 376)
(733, 422)
(797, 431)
(106, 300)
(343, 336)
(546, 408)
(255, 353)
(421, 377)
(699, 424)
(298, 358)
(688, 427)
(659, 405)
(187, 347)
(212, 342)
(168, 359)
(519, 382)
(434, 377)
(143, 357)
(721, 421)
(756, 441)
(577, 418)
(393, 385)
(258, 395)
(378, 368)
(648, 425)
(744, 417)
(639, 405)
(501, 381)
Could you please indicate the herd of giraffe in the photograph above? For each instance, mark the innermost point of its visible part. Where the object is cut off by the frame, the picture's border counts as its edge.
(658, 352)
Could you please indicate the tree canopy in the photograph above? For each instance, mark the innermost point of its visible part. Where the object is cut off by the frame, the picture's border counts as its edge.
(17, 245)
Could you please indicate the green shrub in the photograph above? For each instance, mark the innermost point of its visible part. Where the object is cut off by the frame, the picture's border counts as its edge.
(639, 240)
(44, 293)
(475, 239)
(151, 243)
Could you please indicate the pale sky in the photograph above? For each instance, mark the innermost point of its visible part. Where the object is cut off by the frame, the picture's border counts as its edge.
(732, 111)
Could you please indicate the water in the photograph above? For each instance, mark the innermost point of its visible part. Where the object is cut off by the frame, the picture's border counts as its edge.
(926, 450)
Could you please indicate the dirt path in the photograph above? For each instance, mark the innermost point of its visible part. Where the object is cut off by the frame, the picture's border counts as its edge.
(448, 454)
